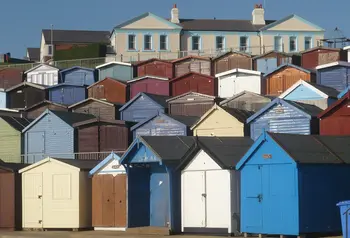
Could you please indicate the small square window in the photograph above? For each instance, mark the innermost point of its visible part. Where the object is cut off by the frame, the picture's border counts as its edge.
(292, 44)
(147, 42)
(278, 43)
(243, 43)
(308, 43)
(132, 42)
(220, 42)
(163, 42)
(195, 42)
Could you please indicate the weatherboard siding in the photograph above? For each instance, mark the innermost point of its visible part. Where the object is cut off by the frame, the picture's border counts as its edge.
(11, 143)
(336, 77)
(78, 77)
(121, 72)
(98, 109)
(67, 95)
(141, 109)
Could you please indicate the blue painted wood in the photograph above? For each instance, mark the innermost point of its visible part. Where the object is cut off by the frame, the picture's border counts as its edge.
(266, 65)
(143, 155)
(67, 94)
(57, 138)
(303, 93)
(3, 99)
(337, 77)
(78, 76)
(121, 72)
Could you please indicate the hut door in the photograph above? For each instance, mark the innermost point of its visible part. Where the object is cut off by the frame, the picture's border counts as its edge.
(7, 200)
(226, 88)
(252, 197)
(108, 201)
(159, 196)
(32, 200)
(120, 200)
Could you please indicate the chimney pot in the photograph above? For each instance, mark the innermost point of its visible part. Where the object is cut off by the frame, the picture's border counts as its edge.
(175, 15)
(175, 5)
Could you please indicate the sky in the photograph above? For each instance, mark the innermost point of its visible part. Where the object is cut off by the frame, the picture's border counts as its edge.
(22, 20)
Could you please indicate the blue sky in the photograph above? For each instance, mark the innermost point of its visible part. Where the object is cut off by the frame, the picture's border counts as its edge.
(22, 20)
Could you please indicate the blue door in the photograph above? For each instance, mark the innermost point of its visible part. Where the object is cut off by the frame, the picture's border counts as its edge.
(266, 65)
(35, 147)
(252, 197)
(159, 200)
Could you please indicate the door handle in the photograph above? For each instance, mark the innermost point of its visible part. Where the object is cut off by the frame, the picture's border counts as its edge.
(204, 195)
(40, 196)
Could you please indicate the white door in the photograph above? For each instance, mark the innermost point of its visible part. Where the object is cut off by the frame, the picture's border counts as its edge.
(226, 87)
(32, 200)
(193, 200)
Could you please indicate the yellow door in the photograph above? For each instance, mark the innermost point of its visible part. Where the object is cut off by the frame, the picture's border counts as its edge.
(32, 200)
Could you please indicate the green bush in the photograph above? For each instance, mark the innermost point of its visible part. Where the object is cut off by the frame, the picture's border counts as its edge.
(81, 52)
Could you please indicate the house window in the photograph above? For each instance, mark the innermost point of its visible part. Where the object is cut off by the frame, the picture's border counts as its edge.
(292, 44)
(243, 43)
(163, 42)
(132, 42)
(147, 40)
(50, 49)
(195, 42)
(308, 43)
(220, 42)
(278, 43)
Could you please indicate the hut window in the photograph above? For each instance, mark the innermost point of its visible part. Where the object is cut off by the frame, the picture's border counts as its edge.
(163, 42)
(220, 42)
(308, 43)
(196, 42)
(243, 43)
(292, 44)
(147, 41)
(278, 43)
(132, 42)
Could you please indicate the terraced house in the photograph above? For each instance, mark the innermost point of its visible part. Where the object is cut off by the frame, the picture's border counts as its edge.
(149, 33)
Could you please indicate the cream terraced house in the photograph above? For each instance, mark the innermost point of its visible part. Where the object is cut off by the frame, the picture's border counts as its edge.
(149, 34)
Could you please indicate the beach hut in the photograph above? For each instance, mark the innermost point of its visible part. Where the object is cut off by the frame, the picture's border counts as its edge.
(78, 76)
(36, 110)
(335, 75)
(149, 84)
(110, 90)
(118, 70)
(67, 94)
(43, 74)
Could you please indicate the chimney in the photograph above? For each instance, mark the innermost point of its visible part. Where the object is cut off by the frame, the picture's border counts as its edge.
(175, 15)
(258, 15)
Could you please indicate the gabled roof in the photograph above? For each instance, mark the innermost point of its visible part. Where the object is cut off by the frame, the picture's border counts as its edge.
(309, 71)
(17, 123)
(272, 51)
(66, 85)
(237, 70)
(113, 62)
(109, 78)
(103, 163)
(159, 99)
(92, 99)
(34, 54)
(191, 73)
(76, 36)
(306, 149)
(190, 57)
(232, 52)
(225, 151)
(12, 69)
(146, 77)
(323, 91)
(242, 93)
(333, 64)
(193, 93)
(165, 148)
(306, 109)
(186, 120)
(68, 117)
(267, 27)
(12, 167)
(76, 67)
(95, 120)
(320, 48)
(80, 164)
(45, 102)
(239, 114)
(152, 60)
(335, 105)
(40, 65)
(34, 85)
(146, 15)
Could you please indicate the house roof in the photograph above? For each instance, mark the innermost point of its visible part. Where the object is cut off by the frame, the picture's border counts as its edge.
(34, 54)
(237, 70)
(191, 57)
(231, 52)
(148, 76)
(221, 25)
(335, 105)
(309, 71)
(191, 73)
(212, 98)
(306, 149)
(91, 99)
(159, 99)
(34, 85)
(320, 48)
(76, 67)
(242, 93)
(95, 120)
(333, 64)
(17, 123)
(113, 62)
(108, 78)
(103, 163)
(323, 91)
(310, 110)
(275, 23)
(152, 60)
(40, 65)
(76, 36)
(45, 102)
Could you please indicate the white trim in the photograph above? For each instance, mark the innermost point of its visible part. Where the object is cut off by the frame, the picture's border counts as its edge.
(93, 99)
(238, 70)
(148, 76)
(109, 228)
(48, 159)
(338, 63)
(38, 66)
(306, 84)
(113, 62)
(346, 47)
(9, 110)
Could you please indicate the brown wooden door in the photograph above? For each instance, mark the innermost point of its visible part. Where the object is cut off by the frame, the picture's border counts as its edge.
(108, 201)
(120, 200)
(7, 200)
(97, 190)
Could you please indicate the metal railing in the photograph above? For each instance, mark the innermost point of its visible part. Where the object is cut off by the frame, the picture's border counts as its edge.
(33, 158)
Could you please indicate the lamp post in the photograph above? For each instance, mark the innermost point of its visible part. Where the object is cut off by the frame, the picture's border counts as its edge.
(52, 41)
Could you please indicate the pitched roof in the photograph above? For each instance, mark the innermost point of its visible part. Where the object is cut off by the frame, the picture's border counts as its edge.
(238, 70)
(17, 123)
(320, 48)
(95, 120)
(108, 78)
(332, 107)
(92, 99)
(76, 67)
(333, 64)
(331, 92)
(242, 93)
(66, 84)
(113, 62)
(309, 71)
(72, 117)
(231, 52)
(81, 164)
(152, 60)
(191, 57)
(221, 25)
(34, 54)
(240, 114)
(159, 99)
(191, 73)
(212, 98)
(40, 65)
(45, 102)
(272, 51)
(34, 85)
(12, 167)
(112, 156)
(76, 36)
(147, 76)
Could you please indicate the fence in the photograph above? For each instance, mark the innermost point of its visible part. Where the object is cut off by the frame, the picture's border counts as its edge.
(32, 158)
(141, 56)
